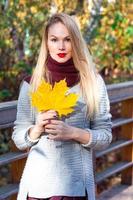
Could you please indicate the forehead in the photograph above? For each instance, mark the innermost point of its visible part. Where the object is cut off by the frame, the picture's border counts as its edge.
(58, 30)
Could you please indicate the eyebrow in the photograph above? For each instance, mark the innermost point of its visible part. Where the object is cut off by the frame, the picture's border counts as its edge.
(57, 37)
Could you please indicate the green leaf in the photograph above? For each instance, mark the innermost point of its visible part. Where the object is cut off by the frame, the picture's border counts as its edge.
(5, 93)
(129, 31)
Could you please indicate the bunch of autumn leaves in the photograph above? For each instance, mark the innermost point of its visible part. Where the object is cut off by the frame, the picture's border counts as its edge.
(55, 98)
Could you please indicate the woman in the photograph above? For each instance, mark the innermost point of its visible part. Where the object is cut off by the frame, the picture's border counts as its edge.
(60, 163)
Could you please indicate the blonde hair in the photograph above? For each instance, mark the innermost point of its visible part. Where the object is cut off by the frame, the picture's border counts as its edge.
(81, 58)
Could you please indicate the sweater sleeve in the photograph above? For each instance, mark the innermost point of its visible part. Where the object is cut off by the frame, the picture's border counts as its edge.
(101, 126)
(24, 119)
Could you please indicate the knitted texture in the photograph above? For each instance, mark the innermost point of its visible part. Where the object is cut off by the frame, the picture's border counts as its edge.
(61, 168)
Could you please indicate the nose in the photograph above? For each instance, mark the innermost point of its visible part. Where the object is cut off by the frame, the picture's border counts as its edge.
(61, 45)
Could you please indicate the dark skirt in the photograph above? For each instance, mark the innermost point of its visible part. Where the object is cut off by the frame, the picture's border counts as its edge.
(59, 198)
(62, 198)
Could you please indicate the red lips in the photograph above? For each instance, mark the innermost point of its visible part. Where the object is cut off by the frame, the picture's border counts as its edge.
(61, 55)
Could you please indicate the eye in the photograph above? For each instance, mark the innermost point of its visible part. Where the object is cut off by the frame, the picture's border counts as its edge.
(53, 40)
(67, 39)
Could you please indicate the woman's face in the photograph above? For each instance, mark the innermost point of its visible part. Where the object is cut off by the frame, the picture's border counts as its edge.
(59, 43)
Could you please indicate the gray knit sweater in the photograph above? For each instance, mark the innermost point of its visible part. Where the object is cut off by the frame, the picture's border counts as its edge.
(63, 168)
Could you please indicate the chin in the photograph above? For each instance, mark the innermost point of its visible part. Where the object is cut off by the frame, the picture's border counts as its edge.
(61, 60)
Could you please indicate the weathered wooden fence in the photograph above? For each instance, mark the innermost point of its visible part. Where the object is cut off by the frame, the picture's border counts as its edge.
(121, 94)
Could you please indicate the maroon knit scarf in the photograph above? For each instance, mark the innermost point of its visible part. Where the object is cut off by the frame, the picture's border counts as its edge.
(59, 71)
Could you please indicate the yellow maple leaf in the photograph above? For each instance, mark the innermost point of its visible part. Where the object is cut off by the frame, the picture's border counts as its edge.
(56, 98)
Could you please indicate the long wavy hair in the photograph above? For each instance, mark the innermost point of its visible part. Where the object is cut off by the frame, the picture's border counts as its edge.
(81, 57)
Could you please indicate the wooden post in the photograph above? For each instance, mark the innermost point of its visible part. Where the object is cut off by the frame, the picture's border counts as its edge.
(127, 133)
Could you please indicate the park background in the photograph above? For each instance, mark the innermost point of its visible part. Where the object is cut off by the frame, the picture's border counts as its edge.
(107, 27)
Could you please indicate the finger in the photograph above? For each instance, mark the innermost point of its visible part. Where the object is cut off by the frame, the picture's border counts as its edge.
(47, 116)
(53, 137)
(51, 131)
(56, 122)
(51, 126)
(45, 122)
(55, 113)
(42, 123)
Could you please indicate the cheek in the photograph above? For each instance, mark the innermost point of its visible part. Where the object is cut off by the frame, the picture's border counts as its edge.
(69, 47)
(51, 47)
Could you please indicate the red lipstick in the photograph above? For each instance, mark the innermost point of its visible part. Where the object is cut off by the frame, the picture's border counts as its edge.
(61, 55)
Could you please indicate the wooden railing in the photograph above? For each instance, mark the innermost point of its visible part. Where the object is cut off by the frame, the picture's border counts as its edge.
(121, 94)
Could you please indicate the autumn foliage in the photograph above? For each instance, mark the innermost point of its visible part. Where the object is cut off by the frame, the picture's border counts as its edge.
(106, 27)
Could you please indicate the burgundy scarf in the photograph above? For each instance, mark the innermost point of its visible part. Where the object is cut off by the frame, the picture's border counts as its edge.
(59, 71)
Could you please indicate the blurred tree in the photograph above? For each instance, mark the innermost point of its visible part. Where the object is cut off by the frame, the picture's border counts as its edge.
(107, 29)
(105, 24)
(94, 8)
(21, 24)
(112, 45)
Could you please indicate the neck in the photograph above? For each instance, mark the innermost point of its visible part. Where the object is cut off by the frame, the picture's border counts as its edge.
(59, 71)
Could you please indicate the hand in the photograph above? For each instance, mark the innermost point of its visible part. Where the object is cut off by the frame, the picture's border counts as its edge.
(59, 130)
(42, 119)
